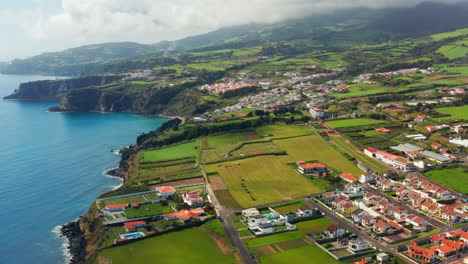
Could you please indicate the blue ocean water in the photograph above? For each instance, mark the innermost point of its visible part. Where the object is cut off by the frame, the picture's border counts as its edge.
(51, 169)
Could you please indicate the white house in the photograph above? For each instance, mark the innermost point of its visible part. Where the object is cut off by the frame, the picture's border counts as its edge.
(358, 246)
(335, 231)
(250, 212)
(165, 191)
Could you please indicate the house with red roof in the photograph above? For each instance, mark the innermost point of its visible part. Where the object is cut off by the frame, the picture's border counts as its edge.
(335, 231)
(348, 177)
(368, 220)
(426, 254)
(132, 226)
(421, 118)
(329, 196)
(418, 222)
(435, 145)
(185, 215)
(456, 245)
(383, 130)
(445, 251)
(115, 208)
(193, 199)
(165, 191)
(362, 261)
(464, 237)
(312, 168)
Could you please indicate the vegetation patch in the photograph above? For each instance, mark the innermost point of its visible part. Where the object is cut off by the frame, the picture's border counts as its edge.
(460, 112)
(173, 152)
(453, 178)
(353, 122)
(288, 207)
(261, 180)
(316, 148)
(299, 255)
(226, 199)
(147, 210)
(167, 248)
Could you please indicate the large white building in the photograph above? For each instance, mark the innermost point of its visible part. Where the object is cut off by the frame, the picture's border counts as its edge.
(391, 159)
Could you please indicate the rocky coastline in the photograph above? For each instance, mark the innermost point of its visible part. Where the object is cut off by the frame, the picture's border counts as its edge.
(76, 245)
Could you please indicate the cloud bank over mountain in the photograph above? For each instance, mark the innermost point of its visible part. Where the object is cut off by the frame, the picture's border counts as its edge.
(148, 21)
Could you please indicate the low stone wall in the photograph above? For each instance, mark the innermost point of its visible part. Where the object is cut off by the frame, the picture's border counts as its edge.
(123, 196)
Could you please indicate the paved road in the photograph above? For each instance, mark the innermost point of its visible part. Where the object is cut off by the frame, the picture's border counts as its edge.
(360, 233)
(433, 222)
(229, 227)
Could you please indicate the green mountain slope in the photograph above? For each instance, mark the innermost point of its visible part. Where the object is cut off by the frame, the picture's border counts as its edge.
(341, 29)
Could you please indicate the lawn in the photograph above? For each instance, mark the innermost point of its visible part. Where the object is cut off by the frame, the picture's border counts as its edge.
(225, 139)
(316, 148)
(453, 178)
(360, 89)
(460, 112)
(353, 122)
(261, 180)
(175, 247)
(288, 207)
(303, 228)
(451, 34)
(355, 152)
(280, 131)
(299, 255)
(174, 152)
(147, 210)
(453, 51)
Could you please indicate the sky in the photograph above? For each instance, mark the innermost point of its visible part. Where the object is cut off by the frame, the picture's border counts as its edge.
(31, 27)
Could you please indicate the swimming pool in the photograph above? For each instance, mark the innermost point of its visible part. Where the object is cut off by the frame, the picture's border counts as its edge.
(132, 235)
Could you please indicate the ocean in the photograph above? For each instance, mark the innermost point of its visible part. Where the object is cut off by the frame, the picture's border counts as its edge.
(52, 168)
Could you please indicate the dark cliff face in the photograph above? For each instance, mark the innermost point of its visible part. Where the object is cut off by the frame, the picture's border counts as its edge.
(54, 90)
(121, 97)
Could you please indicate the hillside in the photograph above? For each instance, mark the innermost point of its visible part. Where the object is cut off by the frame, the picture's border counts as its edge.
(339, 30)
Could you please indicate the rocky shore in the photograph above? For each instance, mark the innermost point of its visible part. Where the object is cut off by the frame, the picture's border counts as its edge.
(76, 242)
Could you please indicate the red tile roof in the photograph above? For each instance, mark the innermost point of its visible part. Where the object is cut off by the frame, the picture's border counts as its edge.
(349, 176)
(118, 206)
(312, 165)
(130, 225)
(165, 189)
(445, 249)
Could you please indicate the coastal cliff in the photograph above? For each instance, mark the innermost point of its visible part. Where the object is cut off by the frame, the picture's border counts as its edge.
(54, 90)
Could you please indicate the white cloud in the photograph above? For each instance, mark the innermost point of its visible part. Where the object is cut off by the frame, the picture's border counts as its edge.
(92, 21)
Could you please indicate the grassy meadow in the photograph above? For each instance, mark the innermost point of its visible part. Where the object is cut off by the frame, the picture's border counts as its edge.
(453, 178)
(174, 152)
(352, 122)
(196, 244)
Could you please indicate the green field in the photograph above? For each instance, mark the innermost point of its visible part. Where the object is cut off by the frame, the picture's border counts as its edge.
(147, 210)
(453, 178)
(360, 89)
(451, 34)
(316, 148)
(194, 245)
(261, 180)
(355, 152)
(460, 112)
(309, 254)
(129, 199)
(288, 207)
(174, 152)
(225, 139)
(280, 131)
(303, 228)
(453, 51)
(352, 122)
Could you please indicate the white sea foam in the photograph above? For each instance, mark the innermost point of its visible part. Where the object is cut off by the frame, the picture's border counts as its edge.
(65, 243)
(121, 181)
